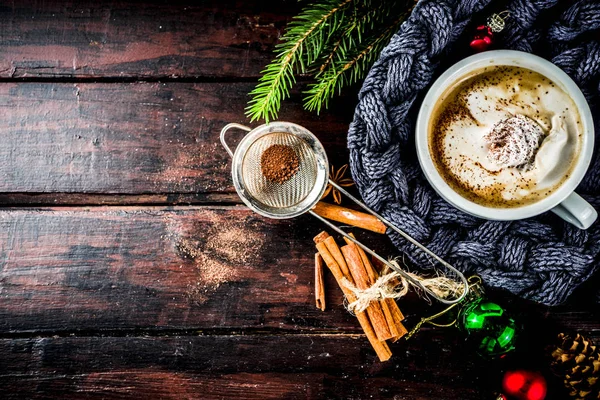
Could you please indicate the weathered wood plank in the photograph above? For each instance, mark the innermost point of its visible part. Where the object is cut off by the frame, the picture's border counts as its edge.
(175, 39)
(225, 367)
(129, 268)
(212, 271)
(155, 269)
(132, 138)
(99, 199)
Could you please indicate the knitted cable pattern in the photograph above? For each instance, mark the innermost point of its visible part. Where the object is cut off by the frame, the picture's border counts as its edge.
(543, 258)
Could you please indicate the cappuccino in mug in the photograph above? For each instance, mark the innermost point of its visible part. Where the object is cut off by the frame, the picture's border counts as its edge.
(505, 136)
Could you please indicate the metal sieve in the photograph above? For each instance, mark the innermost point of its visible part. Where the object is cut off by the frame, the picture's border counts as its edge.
(305, 188)
(278, 200)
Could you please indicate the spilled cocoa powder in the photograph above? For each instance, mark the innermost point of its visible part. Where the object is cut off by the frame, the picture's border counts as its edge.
(218, 251)
(212, 271)
(279, 163)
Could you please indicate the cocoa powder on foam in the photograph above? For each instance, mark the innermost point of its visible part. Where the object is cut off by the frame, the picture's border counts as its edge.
(466, 112)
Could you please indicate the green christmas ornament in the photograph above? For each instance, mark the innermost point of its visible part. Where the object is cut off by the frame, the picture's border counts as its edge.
(488, 327)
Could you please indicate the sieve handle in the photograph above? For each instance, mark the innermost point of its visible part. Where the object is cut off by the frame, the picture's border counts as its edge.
(224, 131)
(408, 238)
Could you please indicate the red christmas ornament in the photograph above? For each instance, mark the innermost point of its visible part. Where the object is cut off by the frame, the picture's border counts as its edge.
(482, 39)
(524, 385)
(485, 33)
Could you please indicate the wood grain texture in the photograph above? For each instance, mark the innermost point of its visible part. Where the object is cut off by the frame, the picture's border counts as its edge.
(111, 112)
(155, 268)
(230, 366)
(132, 138)
(99, 199)
(160, 269)
(132, 39)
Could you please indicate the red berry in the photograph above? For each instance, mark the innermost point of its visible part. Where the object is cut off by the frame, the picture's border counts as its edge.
(482, 39)
(524, 385)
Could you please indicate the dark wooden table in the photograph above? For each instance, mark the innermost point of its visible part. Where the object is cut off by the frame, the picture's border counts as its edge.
(128, 267)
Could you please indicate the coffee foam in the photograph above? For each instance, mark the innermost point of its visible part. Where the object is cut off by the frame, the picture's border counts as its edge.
(463, 145)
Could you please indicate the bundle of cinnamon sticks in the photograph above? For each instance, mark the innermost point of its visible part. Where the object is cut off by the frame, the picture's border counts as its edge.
(382, 320)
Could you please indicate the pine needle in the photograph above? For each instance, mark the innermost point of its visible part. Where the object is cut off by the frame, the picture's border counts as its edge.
(336, 41)
(363, 20)
(301, 45)
(348, 70)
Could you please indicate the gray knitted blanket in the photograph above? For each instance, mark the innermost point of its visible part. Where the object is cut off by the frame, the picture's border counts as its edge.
(543, 258)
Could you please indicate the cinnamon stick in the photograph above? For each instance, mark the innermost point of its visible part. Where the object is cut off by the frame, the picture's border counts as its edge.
(381, 348)
(335, 252)
(390, 308)
(378, 265)
(338, 256)
(361, 279)
(320, 237)
(350, 217)
(319, 283)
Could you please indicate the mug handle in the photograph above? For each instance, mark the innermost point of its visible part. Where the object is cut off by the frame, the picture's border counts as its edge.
(224, 131)
(575, 210)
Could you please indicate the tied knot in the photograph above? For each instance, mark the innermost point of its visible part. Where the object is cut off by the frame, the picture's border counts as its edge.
(392, 285)
(383, 288)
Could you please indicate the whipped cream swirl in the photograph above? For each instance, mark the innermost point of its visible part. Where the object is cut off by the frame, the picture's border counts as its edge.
(514, 141)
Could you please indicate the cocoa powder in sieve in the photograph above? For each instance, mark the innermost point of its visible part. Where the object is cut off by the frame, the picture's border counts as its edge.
(279, 163)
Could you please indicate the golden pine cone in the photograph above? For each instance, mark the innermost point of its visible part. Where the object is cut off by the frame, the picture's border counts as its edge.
(577, 362)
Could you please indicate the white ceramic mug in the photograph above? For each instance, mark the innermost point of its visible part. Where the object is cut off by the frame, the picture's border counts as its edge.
(563, 201)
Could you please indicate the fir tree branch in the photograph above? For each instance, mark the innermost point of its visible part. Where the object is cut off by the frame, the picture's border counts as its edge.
(301, 46)
(359, 25)
(346, 71)
(353, 63)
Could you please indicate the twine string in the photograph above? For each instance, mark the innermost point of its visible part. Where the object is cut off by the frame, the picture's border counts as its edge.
(392, 285)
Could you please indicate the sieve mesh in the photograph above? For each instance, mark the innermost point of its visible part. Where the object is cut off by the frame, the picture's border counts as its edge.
(290, 192)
